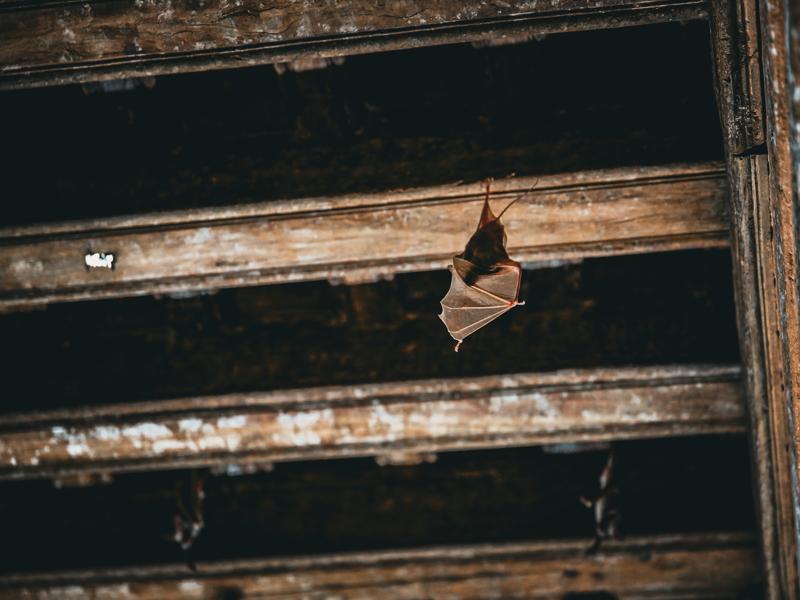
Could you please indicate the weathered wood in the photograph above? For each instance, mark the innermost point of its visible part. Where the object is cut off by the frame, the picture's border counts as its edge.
(780, 243)
(677, 566)
(362, 237)
(382, 420)
(758, 278)
(68, 43)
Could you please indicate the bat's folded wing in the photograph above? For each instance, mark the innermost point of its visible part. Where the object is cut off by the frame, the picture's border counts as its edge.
(467, 308)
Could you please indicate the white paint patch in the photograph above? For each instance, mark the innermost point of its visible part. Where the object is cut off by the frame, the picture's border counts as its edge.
(151, 431)
(201, 236)
(236, 422)
(498, 402)
(105, 433)
(543, 405)
(161, 446)
(380, 418)
(78, 449)
(190, 425)
(23, 266)
(191, 586)
(297, 428)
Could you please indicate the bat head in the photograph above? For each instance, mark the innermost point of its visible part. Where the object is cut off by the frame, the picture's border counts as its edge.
(487, 246)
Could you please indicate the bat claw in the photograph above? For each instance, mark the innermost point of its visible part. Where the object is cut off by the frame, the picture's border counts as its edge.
(458, 345)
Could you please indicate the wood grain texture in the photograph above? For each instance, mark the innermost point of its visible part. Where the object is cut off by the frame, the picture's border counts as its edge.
(758, 279)
(677, 566)
(72, 42)
(780, 224)
(389, 420)
(363, 237)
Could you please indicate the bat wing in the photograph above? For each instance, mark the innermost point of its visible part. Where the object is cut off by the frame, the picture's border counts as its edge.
(468, 307)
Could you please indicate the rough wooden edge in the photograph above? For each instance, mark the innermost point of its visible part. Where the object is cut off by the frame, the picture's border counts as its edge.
(387, 420)
(520, 25)
(591, 213)
(780, 30)
(738, 54)
(670, 566)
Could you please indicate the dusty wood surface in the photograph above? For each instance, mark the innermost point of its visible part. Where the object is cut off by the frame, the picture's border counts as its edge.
(759, 277)
(363, 237)
(697, 566)
(384, 420)
(45, 44)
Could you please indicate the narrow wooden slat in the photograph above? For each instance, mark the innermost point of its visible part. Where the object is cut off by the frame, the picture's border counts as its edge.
(387, 419)
(68, 42)
(363, 237)
(676, 566)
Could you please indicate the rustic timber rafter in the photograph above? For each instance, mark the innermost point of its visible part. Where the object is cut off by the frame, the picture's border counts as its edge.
(70, 42)
(752, 93)
(384, 420)
(362, 237)
(661, 567)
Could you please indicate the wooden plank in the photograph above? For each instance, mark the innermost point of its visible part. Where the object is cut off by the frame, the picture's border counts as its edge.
(69, 42)
(363, 237)
(676, 566)
(758, 278)
(388, 420)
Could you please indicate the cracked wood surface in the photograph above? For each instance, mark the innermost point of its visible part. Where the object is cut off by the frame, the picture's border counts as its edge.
(387, 420)
(363, 237)
(68, 42)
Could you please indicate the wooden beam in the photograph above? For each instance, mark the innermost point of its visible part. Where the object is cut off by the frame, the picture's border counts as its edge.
(362, 237)
(759, 279)
(47, 44)
(387, 420)
(675, 566)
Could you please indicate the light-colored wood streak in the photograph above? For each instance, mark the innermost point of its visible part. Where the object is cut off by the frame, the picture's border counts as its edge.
(660, 567)
(66, 42)
(363, 237)
(383, 420)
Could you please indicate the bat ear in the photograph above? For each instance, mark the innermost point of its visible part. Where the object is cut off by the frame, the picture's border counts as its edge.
(487, 216)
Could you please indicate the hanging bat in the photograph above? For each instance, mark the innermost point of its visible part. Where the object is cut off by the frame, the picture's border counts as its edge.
(485, 281)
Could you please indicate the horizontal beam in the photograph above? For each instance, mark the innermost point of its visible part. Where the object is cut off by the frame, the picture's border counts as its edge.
(676, 566)
(387, 420)
(48, 43)
(361, 237)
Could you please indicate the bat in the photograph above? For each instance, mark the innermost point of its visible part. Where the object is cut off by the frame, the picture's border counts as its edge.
(485, 281)
(606, 515)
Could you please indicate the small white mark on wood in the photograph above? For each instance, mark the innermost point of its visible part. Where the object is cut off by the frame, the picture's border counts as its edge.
(191, 586)
(99, 260)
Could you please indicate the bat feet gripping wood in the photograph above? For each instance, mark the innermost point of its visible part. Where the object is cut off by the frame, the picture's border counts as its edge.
(485, 282)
